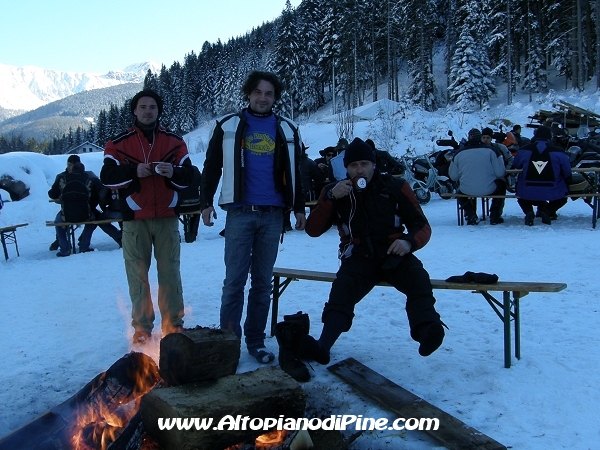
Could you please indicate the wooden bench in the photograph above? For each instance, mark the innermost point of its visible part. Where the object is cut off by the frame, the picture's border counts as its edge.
(485, 199)
(507, 309)
(485, 204)
(72, 226)
(8, 235)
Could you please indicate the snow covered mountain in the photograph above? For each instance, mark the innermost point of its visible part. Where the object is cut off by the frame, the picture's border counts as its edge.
(27, 88)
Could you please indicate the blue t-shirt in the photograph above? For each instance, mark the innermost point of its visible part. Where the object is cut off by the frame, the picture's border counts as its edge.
(259, 160)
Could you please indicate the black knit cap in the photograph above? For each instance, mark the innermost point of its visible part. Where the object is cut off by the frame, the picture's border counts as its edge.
(147, 93)
(358, 150)
(542, 133)
(73, 159)
(487, 131)
(474, 134)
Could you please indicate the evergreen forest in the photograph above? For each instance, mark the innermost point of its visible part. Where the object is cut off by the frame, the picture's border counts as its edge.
(339, 51)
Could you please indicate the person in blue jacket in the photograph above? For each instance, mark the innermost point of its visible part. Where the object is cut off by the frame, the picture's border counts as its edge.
(544, 179)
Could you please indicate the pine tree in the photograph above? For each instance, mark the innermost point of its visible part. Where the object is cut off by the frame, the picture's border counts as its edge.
(471, 84)
(535, 77)
(102, 132)
(286, 61)
(418, 31)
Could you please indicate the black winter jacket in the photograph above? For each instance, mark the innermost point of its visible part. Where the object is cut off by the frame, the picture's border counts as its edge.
(369, 221)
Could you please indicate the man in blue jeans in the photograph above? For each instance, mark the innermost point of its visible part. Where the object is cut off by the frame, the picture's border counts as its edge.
(257, 153)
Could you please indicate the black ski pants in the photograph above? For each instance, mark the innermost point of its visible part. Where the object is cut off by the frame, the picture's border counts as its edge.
(358, 275)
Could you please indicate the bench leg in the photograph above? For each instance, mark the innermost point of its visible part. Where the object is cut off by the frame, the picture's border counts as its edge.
(460, 214)
(506, 320)
(3, 238)
(595, 211)
(275, 304)
(278, 288)
(16, 243)
(517, 318)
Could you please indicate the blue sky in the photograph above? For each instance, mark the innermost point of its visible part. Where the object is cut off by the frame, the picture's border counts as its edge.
(98, 36)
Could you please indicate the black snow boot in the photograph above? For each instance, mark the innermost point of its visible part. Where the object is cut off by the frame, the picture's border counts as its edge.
(289, 333)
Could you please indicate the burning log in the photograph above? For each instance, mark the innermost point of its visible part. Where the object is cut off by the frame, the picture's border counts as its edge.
(94, 415)
(198, 354)
(264, 393)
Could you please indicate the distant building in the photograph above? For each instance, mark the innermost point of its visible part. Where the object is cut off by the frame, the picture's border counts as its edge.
(86, 147)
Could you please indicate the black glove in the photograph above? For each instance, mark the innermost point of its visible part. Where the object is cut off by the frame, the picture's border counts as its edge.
(474, 277)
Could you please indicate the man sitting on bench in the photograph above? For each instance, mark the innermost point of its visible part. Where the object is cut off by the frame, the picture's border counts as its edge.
(78, 195)
(479, 170)
(380, 224)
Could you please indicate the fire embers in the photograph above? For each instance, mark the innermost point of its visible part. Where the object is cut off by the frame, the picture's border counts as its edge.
(112, 401)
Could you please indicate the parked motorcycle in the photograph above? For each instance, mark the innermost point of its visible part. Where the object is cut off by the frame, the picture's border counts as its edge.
(425, 169)
(420, 189)
(584, 155)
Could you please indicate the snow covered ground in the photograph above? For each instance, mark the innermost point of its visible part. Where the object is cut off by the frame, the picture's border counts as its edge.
(65, 320)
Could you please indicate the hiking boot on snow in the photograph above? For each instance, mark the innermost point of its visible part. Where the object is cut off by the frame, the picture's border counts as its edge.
(430, 335)
(529, 217)
(472, 220)
(310, 349)
(288, 334)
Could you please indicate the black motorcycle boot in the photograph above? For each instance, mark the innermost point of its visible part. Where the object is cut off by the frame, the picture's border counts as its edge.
(430, 335)
(288, 334)
(496, 211)
(311, 349)
(302, 320)
(544, 213)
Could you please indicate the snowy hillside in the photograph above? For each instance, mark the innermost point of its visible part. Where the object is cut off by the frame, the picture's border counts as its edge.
(27, 88)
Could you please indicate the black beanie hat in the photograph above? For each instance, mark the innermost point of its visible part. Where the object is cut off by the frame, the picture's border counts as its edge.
(358, 150)
(147, 93)
(73, 159)
(487, 131)
(543, 133)
(474, 133)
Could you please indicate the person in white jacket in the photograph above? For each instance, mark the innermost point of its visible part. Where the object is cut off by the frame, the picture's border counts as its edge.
(479, 171)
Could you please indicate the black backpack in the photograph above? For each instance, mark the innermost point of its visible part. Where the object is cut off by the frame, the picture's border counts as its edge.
(189, 197)
(75, 198)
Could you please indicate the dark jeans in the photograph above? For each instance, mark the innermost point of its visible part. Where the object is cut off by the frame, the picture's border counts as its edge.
(358, 275)
(86, 235)
(251, 245)
(552, 205)
(469, 205)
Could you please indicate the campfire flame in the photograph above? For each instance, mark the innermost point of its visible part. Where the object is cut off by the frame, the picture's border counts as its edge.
(266, 441)
(110, 405)
(269, 440)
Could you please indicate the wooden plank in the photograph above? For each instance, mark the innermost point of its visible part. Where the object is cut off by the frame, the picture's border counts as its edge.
(511, 286)
(51, 223)
(577, 109)
(13, 227)
(452, 432)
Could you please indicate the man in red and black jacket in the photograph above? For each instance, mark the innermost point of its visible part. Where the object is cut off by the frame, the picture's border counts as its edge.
(148, 165)
(381, 225)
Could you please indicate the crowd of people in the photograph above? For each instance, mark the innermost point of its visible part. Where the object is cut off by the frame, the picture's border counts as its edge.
(480, 167)
(258, 158)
